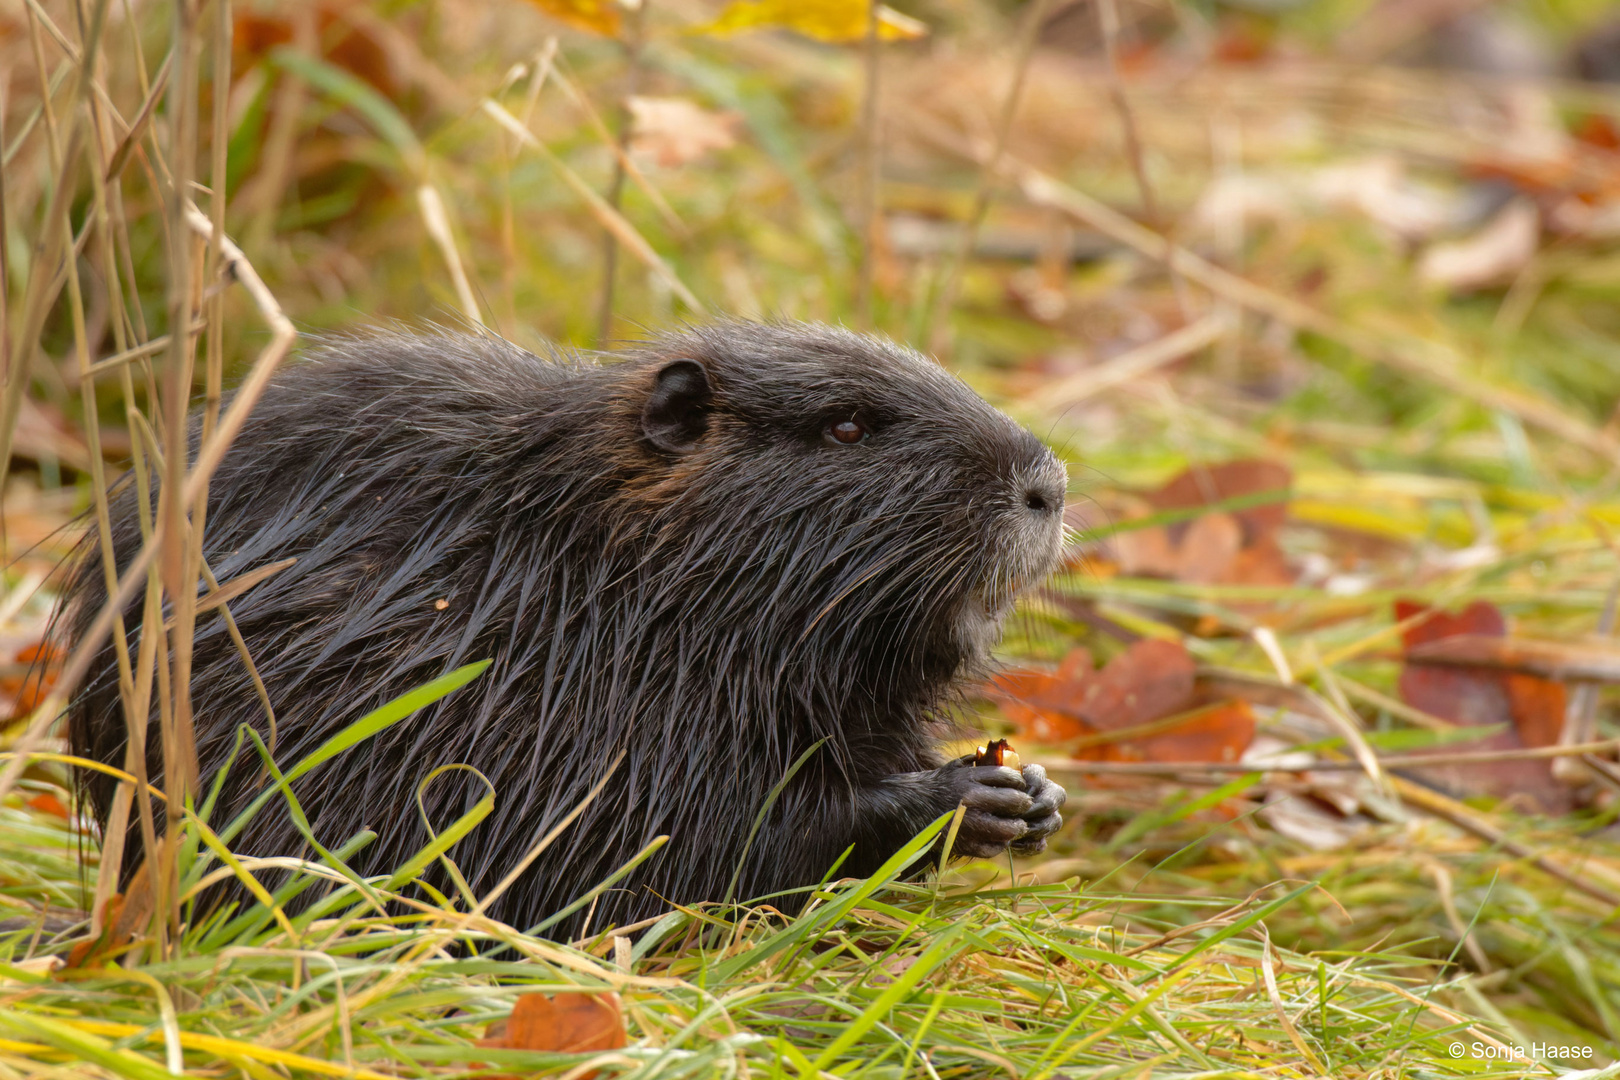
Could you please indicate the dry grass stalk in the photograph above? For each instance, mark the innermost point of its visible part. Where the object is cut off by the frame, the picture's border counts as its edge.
(437, 222)
(871, 166)
(635, 27)
(936, 331)
(1108, 21)
(606, 216)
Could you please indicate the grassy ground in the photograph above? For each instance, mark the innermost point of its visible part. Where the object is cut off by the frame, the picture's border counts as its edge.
(1219, 234)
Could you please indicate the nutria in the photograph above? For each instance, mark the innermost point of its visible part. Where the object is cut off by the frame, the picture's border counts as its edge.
(710, 553)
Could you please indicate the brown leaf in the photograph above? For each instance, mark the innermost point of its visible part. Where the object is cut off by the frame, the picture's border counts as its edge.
(1531, 707)
(1492, 256)
(351, 47)
(561, 1023)
(674, 131)
(1205, 485)
(1146, 552)
(1042, 704)
(1597, 659)
(1208, 549)
(47, 803)
(1261, 563)
(1220, 732)
(1112, 714)
(124, 916)
(1151, 679)
(1225, 547)
(596, 16)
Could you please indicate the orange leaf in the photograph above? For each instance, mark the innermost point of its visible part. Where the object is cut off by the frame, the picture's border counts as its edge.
(123, 916)
(1205, 485)
(1533, 707)
(47, 803)
(597, 16)
(1221, 732)
(824, 20)
(1149, 680)
(1041, 704)
(347, 43)
(1219, 547)
(564, 1023)
(1208, 549)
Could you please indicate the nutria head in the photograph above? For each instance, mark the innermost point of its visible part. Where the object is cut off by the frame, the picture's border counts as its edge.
(886, 512)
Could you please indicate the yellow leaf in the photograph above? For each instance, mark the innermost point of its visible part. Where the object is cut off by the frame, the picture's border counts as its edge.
(597, 16)
(824, 20)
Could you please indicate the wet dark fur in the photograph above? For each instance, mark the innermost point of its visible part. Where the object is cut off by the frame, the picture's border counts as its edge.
(667, 557)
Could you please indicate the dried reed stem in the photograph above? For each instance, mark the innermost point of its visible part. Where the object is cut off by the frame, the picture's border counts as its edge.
(633, 40)
(937, 327)
(1108, 22)
(871, 158)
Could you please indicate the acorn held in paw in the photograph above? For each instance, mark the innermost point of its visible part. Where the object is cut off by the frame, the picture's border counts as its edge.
(998, 752)
(710, 553)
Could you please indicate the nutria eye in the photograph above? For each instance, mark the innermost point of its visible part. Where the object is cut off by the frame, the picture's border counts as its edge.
(847, 432)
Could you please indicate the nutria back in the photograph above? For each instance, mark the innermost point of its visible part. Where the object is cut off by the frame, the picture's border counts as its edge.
(710, 554)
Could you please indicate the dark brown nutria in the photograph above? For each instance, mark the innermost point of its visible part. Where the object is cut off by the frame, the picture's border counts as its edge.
(710, 554)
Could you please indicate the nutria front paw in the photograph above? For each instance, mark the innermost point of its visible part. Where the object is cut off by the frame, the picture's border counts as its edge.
(1042, 817)
(997, 807)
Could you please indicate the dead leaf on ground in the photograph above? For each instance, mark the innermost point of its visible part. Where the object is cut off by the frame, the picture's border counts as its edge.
(1140, 706)
(1305, 821)
(1492, 256)
(30, 677)
(355, 49)
(673, 131)
(1221, 547)
(596, 16)
(1532, 708)
(47, 803)
(561, 1023)
(124, 915)
(823, 20)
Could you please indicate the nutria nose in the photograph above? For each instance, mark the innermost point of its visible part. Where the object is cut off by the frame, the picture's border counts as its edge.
(1044, 499)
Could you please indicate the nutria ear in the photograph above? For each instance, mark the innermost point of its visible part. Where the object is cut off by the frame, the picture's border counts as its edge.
(677, 411)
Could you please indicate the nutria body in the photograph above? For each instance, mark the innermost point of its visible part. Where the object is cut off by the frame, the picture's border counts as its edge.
(709, 554)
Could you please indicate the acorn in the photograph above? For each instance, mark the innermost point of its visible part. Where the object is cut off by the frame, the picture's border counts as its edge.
(997, 753)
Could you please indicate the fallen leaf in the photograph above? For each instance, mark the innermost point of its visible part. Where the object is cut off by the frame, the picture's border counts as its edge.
(27, 687)
(596, 16)
(1043, 704)
(1234, 546)
(675, 131)
(824, 20)
(255, 33)
(1149, 680)
(47, 803)
(1208, 549)
(561, 1023)
(1529, 707)
(1492, 256)
(1139, 707)
(1145, 552)
(1304, 821)
(1380, 189)
(1594, 658)
(1218, 732)
(123, 916)
(1206, 485)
